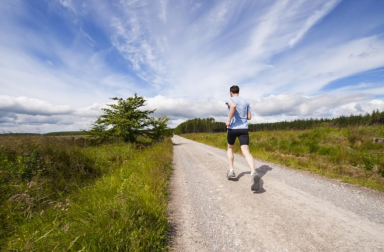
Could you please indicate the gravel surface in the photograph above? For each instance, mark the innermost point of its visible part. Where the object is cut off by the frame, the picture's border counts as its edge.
(292, 211)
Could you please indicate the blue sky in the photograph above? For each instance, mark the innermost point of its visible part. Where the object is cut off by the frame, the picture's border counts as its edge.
(61, 60)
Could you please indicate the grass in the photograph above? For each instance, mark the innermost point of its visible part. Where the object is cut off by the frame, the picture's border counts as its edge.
(60, 197)
(346, 154)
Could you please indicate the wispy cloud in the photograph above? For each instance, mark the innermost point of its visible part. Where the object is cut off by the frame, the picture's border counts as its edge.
(72, 56)
(163, 10)
(313, 19)
(311, 69)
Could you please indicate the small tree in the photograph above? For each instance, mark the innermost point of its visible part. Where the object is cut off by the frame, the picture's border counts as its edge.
(159, 128)
(126, 121)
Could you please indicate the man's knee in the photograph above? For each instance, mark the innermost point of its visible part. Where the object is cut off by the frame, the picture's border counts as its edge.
(230, 147)
(244, 149)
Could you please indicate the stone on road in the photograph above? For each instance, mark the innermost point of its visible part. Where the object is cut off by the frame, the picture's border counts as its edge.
(292, 210)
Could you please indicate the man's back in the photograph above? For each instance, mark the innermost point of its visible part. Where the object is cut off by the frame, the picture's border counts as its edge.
(239, 120)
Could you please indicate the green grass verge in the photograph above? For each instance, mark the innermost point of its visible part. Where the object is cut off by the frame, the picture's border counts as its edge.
(124, 208)
(346, 154)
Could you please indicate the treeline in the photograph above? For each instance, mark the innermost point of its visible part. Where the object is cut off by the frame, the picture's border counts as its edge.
(210, 125)
(200, 125)
(376, 117)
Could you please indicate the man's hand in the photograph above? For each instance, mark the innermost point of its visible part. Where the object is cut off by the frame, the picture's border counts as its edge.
(228, 123)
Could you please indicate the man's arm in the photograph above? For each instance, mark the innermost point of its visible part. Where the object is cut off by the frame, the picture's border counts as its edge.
(232, 109)
(249, 115)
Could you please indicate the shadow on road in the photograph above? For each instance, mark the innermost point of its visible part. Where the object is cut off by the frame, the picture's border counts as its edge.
(174, 230)
(177, 144)
(262, 170)
(239, 176)
(258, 184)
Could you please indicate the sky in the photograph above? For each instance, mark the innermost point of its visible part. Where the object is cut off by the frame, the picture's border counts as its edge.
(62, 60)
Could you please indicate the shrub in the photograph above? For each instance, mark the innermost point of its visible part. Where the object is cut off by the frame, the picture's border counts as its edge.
(127, 121)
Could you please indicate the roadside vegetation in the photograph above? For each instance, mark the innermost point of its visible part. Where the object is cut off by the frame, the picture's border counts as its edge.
(347, 153)
(99, 194)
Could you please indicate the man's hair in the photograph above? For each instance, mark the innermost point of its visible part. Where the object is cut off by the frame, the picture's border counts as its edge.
(234, 89)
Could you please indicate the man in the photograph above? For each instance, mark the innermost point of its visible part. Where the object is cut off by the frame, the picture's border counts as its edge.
(237, 127)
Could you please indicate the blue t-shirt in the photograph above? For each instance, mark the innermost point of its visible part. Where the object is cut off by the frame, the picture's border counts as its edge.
(239, 119)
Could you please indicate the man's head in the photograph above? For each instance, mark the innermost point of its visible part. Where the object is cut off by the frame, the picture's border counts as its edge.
(234, 90)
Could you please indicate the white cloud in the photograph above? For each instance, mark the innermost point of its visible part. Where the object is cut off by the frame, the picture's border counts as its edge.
(94, 110)
(302, 105)
(186, 108)
(31, 106)
(23, 114)
(356, 108)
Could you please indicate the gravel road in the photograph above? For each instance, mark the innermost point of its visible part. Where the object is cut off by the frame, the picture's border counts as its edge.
(292, 211)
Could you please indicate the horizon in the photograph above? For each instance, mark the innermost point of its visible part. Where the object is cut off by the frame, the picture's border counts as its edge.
(63, 60)
(307, 119)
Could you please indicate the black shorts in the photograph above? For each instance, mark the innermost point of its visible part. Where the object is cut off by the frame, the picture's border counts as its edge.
(242, 134)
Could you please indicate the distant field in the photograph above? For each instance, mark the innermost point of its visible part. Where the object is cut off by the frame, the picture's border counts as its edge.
(66, 133)
(69, 136)
(347, 154)
(59, 196)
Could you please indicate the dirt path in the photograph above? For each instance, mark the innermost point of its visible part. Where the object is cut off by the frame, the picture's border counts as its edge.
(293, 211)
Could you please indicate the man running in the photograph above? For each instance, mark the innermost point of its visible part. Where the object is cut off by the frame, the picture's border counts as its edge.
(237, 127)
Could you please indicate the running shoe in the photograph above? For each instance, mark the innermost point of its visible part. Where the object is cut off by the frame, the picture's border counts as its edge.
(231, 174)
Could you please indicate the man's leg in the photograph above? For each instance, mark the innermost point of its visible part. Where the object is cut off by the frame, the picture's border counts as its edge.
(231, 138)
(231, 173)
(230, 156)
(255, 178)
(244, 145)
(248, 156)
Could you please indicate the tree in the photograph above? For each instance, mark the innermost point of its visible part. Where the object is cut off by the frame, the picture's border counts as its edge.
(200, 125)
(159, 128)
(126, 121)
